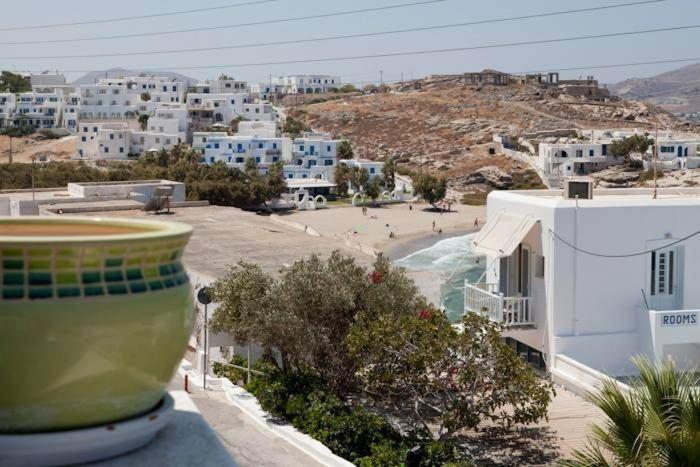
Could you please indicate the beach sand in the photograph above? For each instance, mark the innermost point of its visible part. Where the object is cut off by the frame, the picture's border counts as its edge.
(411, 228)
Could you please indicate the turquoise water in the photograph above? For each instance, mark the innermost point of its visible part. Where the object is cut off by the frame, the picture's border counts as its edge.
(454, 260)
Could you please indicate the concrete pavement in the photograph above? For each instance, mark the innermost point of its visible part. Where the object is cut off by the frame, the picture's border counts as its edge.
(248, 443)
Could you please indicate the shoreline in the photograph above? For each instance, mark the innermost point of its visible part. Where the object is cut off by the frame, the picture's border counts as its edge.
(428, 282)
(416, 242)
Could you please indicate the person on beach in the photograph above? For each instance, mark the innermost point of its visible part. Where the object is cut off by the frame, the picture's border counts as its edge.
(433, 226)
(476, 223)
(410, 207)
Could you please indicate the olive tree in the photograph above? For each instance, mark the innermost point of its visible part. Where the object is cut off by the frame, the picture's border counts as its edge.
(416, 363)
(431, 188)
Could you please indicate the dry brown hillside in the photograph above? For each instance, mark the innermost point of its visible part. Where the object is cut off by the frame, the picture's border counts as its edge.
(26, 147)
(448, 126)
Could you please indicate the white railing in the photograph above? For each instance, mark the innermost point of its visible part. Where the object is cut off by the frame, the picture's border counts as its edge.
(483, 298)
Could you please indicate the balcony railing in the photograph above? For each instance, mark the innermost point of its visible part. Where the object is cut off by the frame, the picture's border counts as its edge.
(483, 298)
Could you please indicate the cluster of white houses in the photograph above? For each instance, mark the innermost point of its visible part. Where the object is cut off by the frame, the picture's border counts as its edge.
(591, 152)
(308, 161)
(105, 114)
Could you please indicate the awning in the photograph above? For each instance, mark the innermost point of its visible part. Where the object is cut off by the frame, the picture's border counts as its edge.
(502, 234)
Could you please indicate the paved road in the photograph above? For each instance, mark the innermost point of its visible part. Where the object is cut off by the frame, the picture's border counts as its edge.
(248, 443)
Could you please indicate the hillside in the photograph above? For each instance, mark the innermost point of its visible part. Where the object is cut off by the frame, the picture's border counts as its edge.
(448, 126)
(93, 76)
(676, 91)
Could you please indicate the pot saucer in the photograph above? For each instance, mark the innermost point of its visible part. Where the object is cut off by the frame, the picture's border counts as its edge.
(86, 444)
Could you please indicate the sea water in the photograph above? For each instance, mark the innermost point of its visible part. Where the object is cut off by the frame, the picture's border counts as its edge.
(454, 260)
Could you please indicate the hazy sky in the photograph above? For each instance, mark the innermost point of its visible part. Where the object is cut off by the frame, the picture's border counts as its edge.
(659, 46)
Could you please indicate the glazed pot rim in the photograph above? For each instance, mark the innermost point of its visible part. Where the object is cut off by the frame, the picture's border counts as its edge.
(148, 230)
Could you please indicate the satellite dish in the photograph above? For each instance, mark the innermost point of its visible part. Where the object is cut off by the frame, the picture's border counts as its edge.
(204, 296)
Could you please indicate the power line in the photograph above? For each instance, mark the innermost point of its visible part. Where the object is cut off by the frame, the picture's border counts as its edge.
(631, 255)
(614, 65)
(329, 38)
(129, 18)
(419, 52)
(230, 26)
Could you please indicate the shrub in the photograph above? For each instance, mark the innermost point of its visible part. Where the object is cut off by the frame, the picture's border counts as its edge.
(234, 374)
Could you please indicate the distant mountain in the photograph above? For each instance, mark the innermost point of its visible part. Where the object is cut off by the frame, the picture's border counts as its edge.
(93, 76)
(677, 91)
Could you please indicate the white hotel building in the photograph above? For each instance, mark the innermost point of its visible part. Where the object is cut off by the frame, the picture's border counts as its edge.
(590, 283)
(125, 97)
(307, 84)
(313, 156)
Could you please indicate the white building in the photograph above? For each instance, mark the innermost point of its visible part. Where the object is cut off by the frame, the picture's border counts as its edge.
(122, 98)
(266, 91)
(8, 106)
(567, 157)
(589, 284)
(71, 112)
(235, 150)
(307, 84)
(574, 157)
(40, 110)
(124, 140)
(260, 129)
(314, 155)
(223, 85)
(373, 168)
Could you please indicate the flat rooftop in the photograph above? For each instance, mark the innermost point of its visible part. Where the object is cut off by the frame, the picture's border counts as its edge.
(609, 197)
(40, 194)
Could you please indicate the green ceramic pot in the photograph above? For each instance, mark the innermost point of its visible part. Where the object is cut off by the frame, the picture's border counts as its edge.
(95, 315)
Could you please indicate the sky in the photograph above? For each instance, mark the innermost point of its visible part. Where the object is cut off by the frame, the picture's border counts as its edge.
(590, 52)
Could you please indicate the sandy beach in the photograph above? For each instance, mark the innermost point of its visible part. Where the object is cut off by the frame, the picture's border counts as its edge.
(412, 228)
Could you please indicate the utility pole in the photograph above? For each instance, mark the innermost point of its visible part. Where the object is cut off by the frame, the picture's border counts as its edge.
(655, 158)
(381, 77)
(10, 147)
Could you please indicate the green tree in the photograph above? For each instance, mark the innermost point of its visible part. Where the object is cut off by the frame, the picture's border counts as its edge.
(633, 144)
(342, 178)
(373, 189)
(431, 188)
(359, 178)
(657, 423)
(348, 88)
(145, 96)
(390, 175)
(143, 121)
(14, 83)
(294, 126)
(414, 361)
(233, 125)
(344, 150)
(276, 184)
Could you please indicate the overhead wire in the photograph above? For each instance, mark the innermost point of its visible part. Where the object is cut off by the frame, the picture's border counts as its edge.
(340, 37)
(231, 26)
(131, 18)
(629, 255)
(419, 52)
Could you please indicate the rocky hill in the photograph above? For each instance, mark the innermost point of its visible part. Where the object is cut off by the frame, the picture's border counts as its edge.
(676, 91)
(444, 126)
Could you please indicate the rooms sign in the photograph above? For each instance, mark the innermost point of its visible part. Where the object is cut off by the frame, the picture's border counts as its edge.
(680, 319)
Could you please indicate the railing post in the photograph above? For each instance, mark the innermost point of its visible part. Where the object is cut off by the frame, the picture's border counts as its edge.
(501, 308)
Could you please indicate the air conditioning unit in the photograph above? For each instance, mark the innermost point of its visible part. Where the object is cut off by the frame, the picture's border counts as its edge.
(578, 188)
